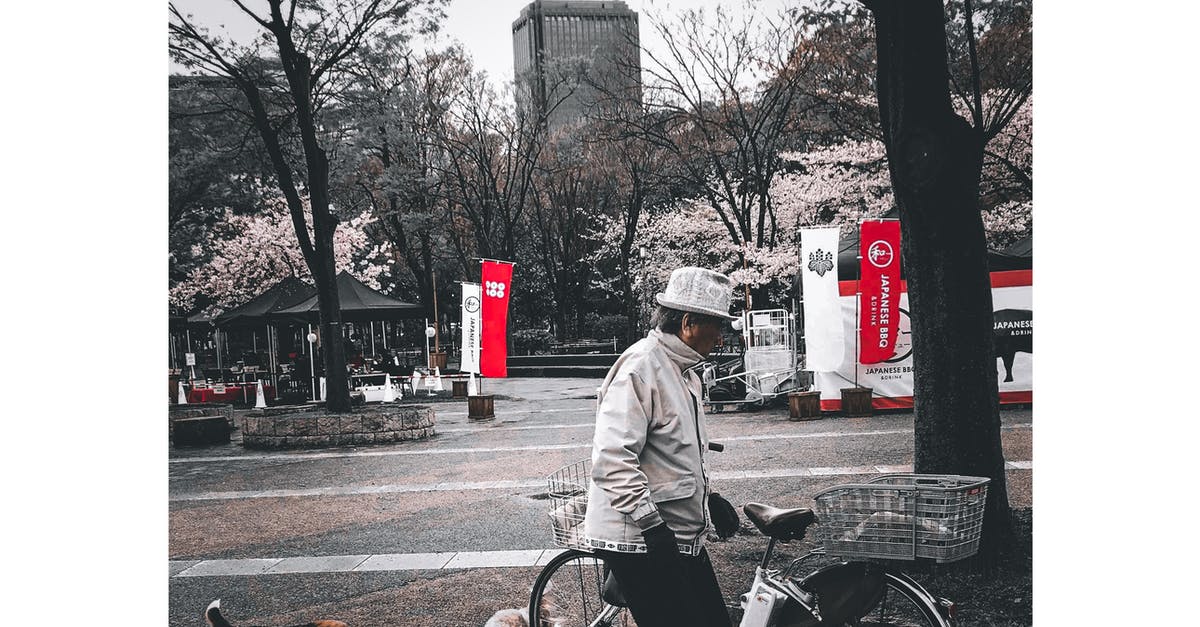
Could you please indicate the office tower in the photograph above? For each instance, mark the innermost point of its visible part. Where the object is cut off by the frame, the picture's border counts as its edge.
(573, 56)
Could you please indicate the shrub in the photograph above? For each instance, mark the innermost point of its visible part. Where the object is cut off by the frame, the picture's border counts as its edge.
(532, 341)
(605, 327)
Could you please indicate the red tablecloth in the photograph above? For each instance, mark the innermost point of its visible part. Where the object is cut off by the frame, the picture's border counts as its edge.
(232, 394)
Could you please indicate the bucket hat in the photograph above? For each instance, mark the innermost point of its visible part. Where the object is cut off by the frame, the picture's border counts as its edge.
(698, 290)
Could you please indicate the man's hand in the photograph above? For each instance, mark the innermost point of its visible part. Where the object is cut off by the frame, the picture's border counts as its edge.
(724, 516)
(660, 539)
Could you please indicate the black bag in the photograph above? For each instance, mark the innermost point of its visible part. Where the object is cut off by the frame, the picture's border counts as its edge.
(724, 516)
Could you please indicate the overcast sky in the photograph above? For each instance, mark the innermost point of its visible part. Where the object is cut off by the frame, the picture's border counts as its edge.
(483, 26)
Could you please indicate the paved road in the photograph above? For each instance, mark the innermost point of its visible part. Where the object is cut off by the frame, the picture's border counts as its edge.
(410, 529)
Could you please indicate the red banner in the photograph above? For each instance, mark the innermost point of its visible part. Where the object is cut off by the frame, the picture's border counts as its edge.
(493, 351)
(879, 283)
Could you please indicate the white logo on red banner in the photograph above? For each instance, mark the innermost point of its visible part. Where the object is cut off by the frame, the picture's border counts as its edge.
(493, 356)
(879, 279)
(880, 254)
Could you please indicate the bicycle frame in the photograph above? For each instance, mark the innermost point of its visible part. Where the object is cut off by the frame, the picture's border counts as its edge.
(833, 593)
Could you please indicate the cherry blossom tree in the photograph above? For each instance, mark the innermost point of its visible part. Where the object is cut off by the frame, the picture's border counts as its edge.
(249, 252)
(291, 77)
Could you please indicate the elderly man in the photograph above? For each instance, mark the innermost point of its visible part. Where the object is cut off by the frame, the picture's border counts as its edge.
(647, 513)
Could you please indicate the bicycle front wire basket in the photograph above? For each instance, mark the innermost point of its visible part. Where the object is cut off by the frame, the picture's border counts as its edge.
(903, 516)
(568, 492)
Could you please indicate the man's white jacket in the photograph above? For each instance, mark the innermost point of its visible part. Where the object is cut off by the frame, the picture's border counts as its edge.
(648, 449)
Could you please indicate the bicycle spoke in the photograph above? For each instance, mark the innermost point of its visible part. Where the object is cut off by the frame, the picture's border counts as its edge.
(571, 595)
(895, 610)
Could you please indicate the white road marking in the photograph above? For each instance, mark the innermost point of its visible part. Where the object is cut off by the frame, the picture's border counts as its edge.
(363, 563)
(511, 449)
(540, 482)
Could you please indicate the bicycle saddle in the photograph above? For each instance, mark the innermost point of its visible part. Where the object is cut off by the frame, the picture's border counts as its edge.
(781, 524)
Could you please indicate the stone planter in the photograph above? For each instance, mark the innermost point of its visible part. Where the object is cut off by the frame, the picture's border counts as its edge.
(313, 426)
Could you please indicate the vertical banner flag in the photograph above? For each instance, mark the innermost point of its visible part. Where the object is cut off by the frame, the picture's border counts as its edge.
(879, 272)
(493, 354)
(471, 316)
(823, 335)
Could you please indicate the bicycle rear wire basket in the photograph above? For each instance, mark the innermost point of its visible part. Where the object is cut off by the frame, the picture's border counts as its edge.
(903, 516)
(568, 491)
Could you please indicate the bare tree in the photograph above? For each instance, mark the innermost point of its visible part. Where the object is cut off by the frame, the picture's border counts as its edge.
(493, 143)
(721, 98)
(401, 101)
(313, 41)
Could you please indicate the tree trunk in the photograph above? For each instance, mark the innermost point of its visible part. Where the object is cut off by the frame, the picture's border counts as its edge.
(935, 159)
(337, 386)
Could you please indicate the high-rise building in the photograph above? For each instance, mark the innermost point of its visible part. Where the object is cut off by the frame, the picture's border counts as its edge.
(573, 55)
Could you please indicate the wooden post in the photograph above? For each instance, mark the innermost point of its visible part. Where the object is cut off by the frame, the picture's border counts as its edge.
(856, 401)
(480, 407)
(804, 405)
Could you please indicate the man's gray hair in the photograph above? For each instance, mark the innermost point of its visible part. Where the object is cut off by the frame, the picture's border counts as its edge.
(667, 320)
(670, 320)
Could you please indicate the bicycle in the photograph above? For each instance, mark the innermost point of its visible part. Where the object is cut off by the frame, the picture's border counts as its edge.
(869, 528)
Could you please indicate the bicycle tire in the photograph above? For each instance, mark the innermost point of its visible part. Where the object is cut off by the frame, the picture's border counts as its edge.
(901, 603)
(576, 581)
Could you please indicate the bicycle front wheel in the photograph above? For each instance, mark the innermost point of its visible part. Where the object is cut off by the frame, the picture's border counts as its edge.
(899, 604)
(569, 593)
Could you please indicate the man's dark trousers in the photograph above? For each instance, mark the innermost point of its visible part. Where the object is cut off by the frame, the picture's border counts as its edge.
(666, 589)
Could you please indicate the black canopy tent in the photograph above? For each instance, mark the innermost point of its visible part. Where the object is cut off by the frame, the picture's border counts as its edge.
(253, 314)
(283, 294)
(358, 302)
(294, 302)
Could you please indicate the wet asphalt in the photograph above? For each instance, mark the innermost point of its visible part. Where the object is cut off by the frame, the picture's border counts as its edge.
(473, 487)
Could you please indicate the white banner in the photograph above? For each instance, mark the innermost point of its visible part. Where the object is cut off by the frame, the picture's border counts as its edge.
(824, 342)
(471, 325)
(892, 379)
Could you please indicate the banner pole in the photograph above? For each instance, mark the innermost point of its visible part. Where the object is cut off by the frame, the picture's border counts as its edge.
(857, 298)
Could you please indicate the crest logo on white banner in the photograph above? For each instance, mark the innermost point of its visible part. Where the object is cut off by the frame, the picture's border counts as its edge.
(820, 261)
(823, 333)
(471, 327)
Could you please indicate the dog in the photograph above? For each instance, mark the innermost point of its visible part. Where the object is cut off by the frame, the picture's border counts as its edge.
(212, 614)
(519, 617)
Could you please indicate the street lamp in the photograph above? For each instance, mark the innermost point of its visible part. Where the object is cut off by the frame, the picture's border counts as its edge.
(429, 333)
(312, 369)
